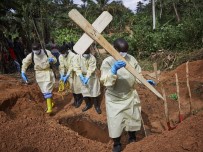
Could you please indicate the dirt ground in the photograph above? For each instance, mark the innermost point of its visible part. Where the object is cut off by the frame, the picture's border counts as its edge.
(25, 127)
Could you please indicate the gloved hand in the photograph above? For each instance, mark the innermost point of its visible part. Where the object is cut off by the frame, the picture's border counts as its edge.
(23, 75)
(86, 80)
(82, 78)
(151, 82)
(65, 78)
(117, 65)
(51, 60)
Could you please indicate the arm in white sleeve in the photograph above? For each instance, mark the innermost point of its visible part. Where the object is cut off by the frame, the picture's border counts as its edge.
(26, 62)
(92, 66)
(107, 78)
(71, 64)
(76, 65)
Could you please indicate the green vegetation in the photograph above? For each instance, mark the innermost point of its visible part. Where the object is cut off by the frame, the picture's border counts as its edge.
(178, 23)
(173, 96)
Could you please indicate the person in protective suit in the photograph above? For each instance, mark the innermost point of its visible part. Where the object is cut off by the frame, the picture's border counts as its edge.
(66, 60)
(85, 67)
(42, 60)
(122, 101)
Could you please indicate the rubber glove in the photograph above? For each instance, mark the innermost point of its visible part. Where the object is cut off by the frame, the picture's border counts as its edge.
(117, 65)
(65, 78)
(82, 78)
(51, 60)
(23, 75)
(86, 80)
(151, 82)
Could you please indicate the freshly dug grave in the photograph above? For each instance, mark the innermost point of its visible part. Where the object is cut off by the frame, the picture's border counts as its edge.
(24, 126)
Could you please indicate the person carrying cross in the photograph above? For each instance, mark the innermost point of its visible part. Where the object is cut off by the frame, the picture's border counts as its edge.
(122, 101)
(42, 60)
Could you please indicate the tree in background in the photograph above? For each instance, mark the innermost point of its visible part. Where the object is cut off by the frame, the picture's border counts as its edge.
(178, 22)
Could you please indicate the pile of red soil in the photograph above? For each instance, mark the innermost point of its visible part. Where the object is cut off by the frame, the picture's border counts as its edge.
(24, 125)
(188, 136)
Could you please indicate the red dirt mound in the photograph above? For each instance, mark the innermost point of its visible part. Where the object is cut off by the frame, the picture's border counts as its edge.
(24, 126)
(188, 136)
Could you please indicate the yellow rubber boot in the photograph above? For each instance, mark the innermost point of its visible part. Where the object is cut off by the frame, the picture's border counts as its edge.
(49, 105)
(52, 103)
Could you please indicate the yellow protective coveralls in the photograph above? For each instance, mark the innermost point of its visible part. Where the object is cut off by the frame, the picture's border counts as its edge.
(43, 73)
(122, 100)
(87, 67)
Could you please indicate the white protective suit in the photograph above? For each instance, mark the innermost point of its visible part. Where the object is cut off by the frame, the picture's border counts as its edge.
(87, 67)
(66, 67)
(122, 101)
(43, 73)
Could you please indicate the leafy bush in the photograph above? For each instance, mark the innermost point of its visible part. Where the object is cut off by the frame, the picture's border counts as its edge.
(173, 96)
(65, 34)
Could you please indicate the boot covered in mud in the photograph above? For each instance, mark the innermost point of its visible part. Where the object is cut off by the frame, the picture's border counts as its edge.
(88, 104)
(79, 99)
(96, 105)
(132, 136)
(49, 105)
(116, 145)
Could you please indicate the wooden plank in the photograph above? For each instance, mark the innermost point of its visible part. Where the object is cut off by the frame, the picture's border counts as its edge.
(155, 71)
(188, 86)
(166, 110)
(99, 24)
(94, 34)
(165, 106)
(178, 93)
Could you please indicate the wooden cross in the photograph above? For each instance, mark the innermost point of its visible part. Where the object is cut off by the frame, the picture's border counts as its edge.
(99, 24)
(94, 34)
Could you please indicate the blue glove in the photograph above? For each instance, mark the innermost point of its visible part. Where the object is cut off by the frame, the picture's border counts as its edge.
(65, 78)
(86, 80)
(47, 95)
(23, 75)
(82, 78)
(151, 82)
(51, 60)
(117, 65)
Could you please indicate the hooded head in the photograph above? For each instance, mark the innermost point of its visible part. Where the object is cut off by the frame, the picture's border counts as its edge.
(36, 48)
(70, 45)
(63, 50)
(121, 46)
(87, 53)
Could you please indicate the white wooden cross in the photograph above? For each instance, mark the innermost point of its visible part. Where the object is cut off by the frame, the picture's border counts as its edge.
(94, 34)
(99, 24)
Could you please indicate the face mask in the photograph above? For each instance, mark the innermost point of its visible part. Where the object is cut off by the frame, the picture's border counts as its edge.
(86, 56)
(123, 54)
(36, 51)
